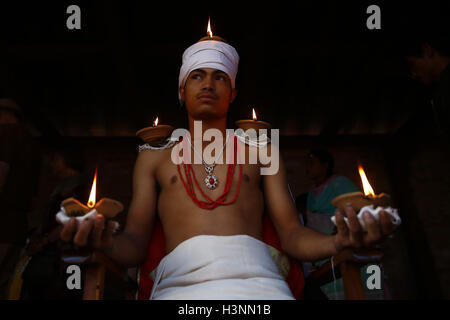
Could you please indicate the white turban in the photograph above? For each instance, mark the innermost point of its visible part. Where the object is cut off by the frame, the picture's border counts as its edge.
(209, 54)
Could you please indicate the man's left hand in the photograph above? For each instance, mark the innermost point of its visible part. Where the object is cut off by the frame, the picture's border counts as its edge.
(353, 236)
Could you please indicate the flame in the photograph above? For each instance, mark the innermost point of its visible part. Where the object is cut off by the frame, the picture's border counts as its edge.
(368, 191)
(155, 123)
(254, 114)
(91, 202)
(208, 31)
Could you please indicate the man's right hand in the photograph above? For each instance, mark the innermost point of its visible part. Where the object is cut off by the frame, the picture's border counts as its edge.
(90, 232)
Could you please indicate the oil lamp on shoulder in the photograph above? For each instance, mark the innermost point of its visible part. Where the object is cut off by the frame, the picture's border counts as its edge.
(253, 124)
(156, 134)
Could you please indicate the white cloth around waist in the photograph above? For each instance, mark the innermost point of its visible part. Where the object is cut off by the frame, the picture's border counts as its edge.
(209, 267)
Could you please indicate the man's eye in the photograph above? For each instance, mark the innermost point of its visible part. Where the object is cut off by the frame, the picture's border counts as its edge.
(221, 78)
(195, 76)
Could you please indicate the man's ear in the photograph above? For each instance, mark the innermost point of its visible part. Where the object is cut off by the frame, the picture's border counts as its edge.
(182, 95)
(233, 94)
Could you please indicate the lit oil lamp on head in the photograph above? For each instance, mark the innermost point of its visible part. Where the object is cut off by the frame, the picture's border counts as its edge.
(109, 208)
(156, 134)
(210, 35)
(252, 124)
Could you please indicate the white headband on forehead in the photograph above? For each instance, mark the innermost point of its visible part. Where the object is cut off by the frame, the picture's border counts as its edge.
(209, 54)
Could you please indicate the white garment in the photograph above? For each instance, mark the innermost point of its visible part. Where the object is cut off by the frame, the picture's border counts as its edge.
(209, 267)
(209, 54)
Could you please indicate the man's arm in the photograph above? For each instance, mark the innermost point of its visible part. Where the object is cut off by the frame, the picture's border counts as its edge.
(296, 240)
(309, 245)
(130, 247)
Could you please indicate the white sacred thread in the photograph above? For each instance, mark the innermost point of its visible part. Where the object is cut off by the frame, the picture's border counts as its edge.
(334, 276)
(215, 160)
(211, 181)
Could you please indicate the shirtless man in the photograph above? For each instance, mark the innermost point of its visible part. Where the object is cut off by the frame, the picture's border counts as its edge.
(207, 92)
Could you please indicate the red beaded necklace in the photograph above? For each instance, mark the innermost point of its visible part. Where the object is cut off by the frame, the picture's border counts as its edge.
(220, 201)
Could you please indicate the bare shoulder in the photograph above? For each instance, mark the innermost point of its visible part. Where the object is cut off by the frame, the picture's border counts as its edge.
(268, 149)
(270, 159)
(149, 160)
(144, 186)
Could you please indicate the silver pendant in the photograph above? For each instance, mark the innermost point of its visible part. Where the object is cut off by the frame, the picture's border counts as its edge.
(209, 169)
(211, 181)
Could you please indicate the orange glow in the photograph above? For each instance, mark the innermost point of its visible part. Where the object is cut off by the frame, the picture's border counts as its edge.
(91, 202)
(155, 123)
(208, 31)
(368, 191)
(254, 115)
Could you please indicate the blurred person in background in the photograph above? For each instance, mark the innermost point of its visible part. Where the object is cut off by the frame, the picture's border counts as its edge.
(19, 175)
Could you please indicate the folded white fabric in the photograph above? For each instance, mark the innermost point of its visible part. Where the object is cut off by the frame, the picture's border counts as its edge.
(375, 212)
(208, 267)
(63, 218)
(261, 141)
(209, 54)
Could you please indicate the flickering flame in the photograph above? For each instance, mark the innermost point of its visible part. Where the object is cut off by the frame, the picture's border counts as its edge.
(155, 123)
(254, 114)
(368, 191)
(208, 31)
(91, 202)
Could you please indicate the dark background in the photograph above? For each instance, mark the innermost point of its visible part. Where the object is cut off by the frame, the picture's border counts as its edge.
(310, 68)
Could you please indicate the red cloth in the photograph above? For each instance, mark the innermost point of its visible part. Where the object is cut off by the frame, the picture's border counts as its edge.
(157, 251)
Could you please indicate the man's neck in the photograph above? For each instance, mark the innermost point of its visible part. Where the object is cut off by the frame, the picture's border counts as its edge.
(218, 124)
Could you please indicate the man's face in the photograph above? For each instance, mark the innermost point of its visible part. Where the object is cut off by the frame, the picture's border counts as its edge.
(207, 94)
